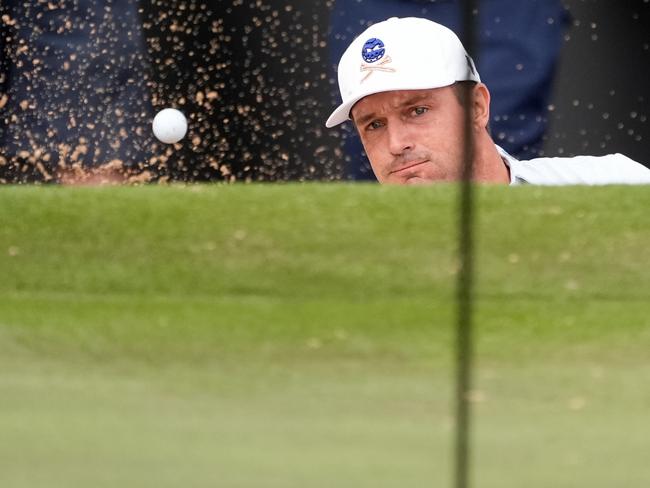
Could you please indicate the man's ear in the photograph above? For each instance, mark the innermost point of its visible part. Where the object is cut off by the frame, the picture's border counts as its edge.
(481, 106)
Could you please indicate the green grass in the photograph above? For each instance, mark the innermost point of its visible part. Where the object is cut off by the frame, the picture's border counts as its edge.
(302, 336)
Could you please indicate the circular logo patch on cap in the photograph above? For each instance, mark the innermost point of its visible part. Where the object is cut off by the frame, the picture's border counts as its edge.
(373, 50)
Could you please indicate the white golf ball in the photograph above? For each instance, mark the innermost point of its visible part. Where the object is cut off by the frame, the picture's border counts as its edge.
(169, 125)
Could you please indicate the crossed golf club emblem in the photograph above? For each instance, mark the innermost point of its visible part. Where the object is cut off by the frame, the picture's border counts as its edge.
(379, 67)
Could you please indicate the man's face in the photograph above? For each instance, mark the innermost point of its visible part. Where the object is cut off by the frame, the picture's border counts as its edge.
(412, 136)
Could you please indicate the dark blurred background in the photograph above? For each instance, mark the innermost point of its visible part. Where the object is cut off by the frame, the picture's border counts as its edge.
(601, 102)
(253, 78)
(256, 81)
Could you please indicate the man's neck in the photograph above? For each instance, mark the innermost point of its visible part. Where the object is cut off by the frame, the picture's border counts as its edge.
(489, 166)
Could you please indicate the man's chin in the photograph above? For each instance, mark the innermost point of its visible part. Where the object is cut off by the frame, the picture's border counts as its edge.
(417, 180)
(409, 180)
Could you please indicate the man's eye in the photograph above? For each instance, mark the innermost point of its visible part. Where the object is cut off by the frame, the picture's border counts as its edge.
(374, 125)
(420, 110)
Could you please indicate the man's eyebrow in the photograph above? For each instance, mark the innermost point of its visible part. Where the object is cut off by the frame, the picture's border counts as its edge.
(414, 99)
(409, 101)
(366, 118)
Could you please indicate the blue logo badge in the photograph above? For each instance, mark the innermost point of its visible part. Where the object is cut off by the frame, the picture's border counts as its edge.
(373, 50)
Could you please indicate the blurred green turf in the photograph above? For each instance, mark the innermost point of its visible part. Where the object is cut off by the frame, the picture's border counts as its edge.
(302, 336)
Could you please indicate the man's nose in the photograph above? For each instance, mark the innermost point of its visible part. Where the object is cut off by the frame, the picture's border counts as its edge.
(399, 138)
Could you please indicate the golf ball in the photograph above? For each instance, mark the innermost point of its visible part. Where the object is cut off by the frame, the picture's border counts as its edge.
(169, 125)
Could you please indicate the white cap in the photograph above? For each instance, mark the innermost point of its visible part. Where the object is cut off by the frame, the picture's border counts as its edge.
(400, 54)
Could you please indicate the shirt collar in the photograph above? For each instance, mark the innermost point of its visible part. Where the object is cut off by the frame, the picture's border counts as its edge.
(512, 163)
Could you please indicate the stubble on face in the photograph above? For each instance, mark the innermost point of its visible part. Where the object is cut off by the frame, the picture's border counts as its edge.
(418, 167)
(411, 136)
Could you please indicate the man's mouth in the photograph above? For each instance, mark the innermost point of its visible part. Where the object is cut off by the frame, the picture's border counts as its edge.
(409, 165)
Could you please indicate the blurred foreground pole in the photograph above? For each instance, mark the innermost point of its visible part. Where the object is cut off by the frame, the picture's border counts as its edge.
(465, 275)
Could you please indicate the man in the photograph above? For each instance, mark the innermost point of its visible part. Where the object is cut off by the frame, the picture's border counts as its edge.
(406, 83)
(519, 44)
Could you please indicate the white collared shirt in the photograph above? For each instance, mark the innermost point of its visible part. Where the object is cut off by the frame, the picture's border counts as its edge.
(613, 169)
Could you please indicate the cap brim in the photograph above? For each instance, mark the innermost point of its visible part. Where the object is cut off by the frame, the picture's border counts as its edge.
(342, 112)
